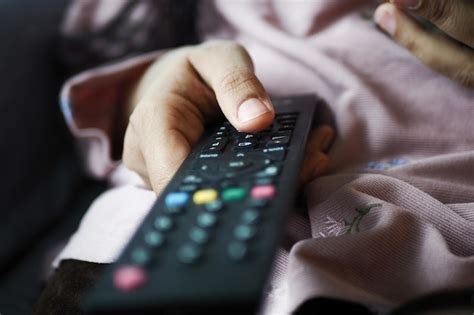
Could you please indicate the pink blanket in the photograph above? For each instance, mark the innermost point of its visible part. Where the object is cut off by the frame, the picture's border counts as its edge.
(392, 220)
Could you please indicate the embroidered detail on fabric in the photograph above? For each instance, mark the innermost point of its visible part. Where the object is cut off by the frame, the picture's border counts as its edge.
(335, 227)
(374, 165)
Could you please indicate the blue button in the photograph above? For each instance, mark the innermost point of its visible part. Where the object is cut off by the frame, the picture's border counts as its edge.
(176, 199)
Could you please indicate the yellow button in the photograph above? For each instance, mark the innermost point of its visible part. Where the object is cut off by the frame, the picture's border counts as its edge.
(204, 196)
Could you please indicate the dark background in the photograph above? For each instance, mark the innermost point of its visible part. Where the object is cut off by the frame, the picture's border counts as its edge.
(43, 193)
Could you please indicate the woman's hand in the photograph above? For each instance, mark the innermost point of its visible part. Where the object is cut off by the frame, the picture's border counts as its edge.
(187, 88)
(454, 17)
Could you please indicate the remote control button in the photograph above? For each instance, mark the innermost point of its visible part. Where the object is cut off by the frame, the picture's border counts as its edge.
(244, 232)
(154, 239)
(129, 278)
(209, 155)
(214, 206)
(204, 196)
(250, 216)
(246, 136)
(244, 145)
(269, 171)
(286, 128)
(189, 253)
(189, 188)
(240, 155)
(275, 143)
(263, 192)
(163, 223)
(204, 168)
(206, 219)
(285, 138)
(234, 194)
(140, 256)
(276, 153)
(236, 165)
(216, 146)
(199, 235)
(176, 201)
(192, 179)
(267, 162)
(237, 250)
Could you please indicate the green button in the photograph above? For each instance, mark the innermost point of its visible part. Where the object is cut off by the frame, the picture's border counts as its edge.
(233, 194)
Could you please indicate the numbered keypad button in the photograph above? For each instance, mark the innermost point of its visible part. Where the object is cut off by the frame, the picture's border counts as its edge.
(163, 223)
(244, 232)
(237, 250)
(189, 253)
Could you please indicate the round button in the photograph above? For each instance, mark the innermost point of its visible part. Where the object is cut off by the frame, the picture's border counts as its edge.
(263, 191)
(189, 253)
(237, 250)
(198, 235)
(140, 256)
(250, 216)
(244, 232)
(163, 223)
(206, 219)
(234, 194)
(154, 239)
(214, 206)
(128, 278)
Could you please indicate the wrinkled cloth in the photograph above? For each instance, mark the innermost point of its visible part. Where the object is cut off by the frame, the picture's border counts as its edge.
(394, 217)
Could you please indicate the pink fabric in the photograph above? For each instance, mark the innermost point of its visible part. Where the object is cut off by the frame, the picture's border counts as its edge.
(394, 218)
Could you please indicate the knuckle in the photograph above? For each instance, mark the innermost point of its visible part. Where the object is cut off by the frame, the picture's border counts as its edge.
(236, 81)
(465, 75)
(438, 12)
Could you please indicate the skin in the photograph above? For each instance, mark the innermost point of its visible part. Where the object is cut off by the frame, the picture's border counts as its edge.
(193, 85)
(189, 87)
(454, 17)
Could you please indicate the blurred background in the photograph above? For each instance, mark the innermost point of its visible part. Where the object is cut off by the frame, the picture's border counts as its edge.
(43, 191)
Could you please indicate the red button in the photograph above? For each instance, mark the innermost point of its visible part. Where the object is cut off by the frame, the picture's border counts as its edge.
(129, 278)
(263, 192)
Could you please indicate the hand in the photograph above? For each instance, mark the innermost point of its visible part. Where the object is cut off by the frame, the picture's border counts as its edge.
(189, 87)
(454, 17)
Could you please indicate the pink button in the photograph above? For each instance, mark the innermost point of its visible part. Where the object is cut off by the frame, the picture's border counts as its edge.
(129, 278)
(263, 192)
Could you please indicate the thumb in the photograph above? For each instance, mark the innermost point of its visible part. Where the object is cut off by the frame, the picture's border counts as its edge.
(227, 68)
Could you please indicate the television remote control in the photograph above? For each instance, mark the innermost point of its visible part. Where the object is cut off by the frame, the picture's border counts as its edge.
(208, 243)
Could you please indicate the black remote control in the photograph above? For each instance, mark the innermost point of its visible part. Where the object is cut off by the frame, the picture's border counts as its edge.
(208, 243)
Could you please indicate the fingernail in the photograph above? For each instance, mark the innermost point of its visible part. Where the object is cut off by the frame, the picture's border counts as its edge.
(408, 4)
(251, 109)
(386, 20)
